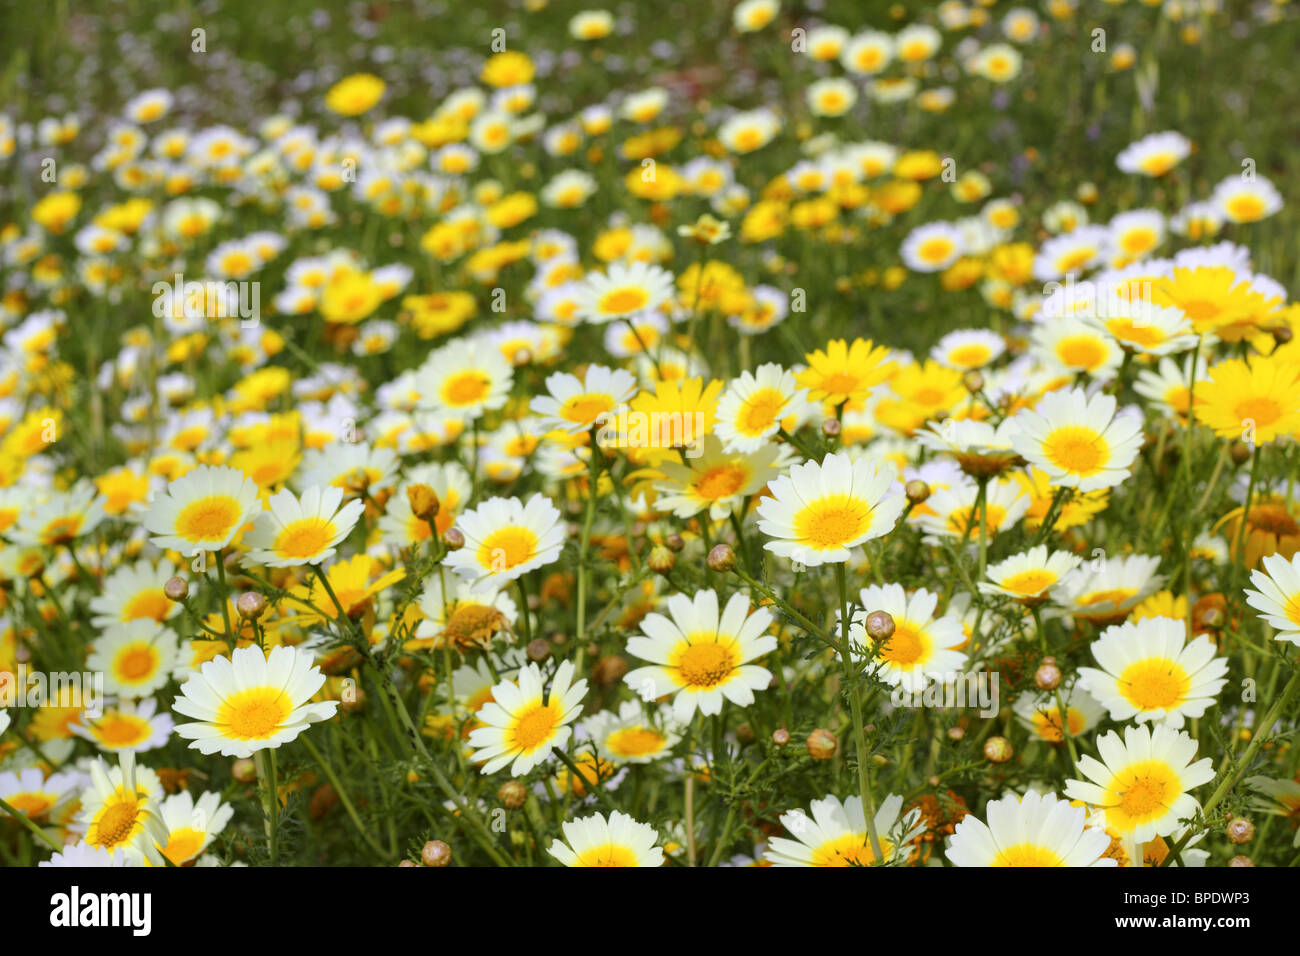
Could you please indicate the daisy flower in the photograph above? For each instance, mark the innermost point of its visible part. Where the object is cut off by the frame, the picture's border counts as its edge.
(457, 615)
(127, 726)
(968, 349)
(1150, 671)
(133, 592)
(85, 855)
(574, 404)
(1105, 593)
(1257, 401)
(1041, 713)
(1143, 781)
(715, 479)
(251, 701)
(921, 645)
(61, 519)
(932, 247)
(748, 131)
(622, 291)
(1079, 441)
(756, 405)
(1155, 154)
(1246, 200)
(202, 510)
(1075, 345)
(817, 512)
(618, 841)
(464, 378)
(135, 658)
(306, 530)
(191, 825)
(1029, 576)
(1033, 830)
(701, 657)
(836, 833)
(1278, 597)
(1141, 326)
(521, 724)
(506, 538)
(120, 807)
(956, 512)
(37, 796)
(630, 734)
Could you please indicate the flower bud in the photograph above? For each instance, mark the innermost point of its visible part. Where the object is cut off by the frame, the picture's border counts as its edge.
(424, 501)
(435, 853)
(780, 736)
(609, 670)
(831, 428)
(176, 589)
(956, 733)
(512, 794)
(1240, 452)
(1241, 830)
(722, 558)
(244, 770)
(880, 625)
(1241, 861)
(454, 539)
(251, 605)
(661, 559)
(822, 744)
(538, 649)
(998, 750)
(1048, 675)
(675, 542)
(917, 491)
(973, 380)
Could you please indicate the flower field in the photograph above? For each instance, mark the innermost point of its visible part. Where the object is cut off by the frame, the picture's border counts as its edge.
(669, 435)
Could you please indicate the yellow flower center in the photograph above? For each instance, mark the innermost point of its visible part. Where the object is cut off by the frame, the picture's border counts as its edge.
(1029, 582)
(1076, 449)
(115, 823)
(136, 662)
(584, 409)
(535, 726)
(625, 300)
(608, 854)
(832, 522)
(507, 547)
(119, 730)
(1027, 854)
(852, 849)
(722, 481)
(1245, 208)
(1154, 683)
(635, 741)
(208, 519)
(254, 714)
(905, 646)
(1080, 351)
(1048, 723)
(466, 388)
(34, 805)
(303, 539)
(183, 845)
(1145, 791)
(1260, 409)
(706, 664)
(759, 411)
(969, 356)
(151, 604)
(1127, 331)
(935, 250)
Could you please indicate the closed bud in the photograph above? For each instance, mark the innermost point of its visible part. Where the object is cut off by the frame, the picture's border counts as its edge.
(406, 863)
(1241, 861)
(822, 744)
(1241, 830)
(880, 625)
(780, 736)
(661, 559)
(998, 750)
(251, 605)
(435, 853)
(1240, 452)
(512, 794)
(1048, 675)
(917, 491)
(539, 648)
(244, 770)
(973, 380)
(453, 539)
(176, 589)
(608, 671)
(1283, 334)
(675, 542)
(424, 501)
(956, 733)
(831, 428)
(722, 558)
